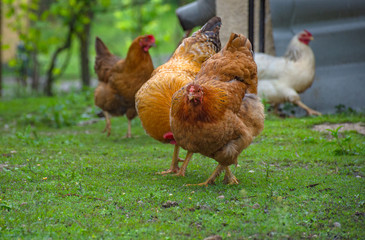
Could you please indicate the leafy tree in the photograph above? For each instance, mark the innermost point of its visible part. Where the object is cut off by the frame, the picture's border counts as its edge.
(75, 16)
(1, 44)
(64, 20)
(142, 16)
(54, 25)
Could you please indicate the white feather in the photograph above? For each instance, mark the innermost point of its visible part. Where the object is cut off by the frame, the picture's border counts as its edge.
(282, 78)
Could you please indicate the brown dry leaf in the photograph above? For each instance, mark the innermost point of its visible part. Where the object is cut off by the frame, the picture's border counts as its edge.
(169, 204)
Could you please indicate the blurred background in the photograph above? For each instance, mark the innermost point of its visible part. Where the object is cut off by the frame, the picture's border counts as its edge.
(47, 46)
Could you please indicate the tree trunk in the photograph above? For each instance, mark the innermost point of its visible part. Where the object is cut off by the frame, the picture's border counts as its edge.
(35, 71)
(84, 38)
(1, 45)
(50, 76)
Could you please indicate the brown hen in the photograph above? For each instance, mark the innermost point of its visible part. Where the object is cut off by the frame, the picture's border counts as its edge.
(153, 100)
(219, 114)
(120, 79)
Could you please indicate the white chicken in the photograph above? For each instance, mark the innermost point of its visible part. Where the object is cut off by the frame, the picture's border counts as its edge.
(281, 79)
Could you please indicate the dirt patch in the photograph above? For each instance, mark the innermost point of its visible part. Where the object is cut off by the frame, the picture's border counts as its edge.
(9, 167)
(2, 166)
(358, 127)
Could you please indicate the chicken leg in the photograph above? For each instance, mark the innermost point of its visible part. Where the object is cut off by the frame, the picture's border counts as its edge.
(130, 114)
(107, 123)
(185, 164)
(212, 177)
(229, 178)
(307, 109)
(129, 131)
(174, 167)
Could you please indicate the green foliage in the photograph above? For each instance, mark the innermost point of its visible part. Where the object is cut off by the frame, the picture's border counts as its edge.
(25, 136)
(74, 182)
(344, 143)
(42, 32)
(63, 112)
(116, 22)
(266, 104)
(289, 108)
(4, 206)
(342, 109)
(141, 18)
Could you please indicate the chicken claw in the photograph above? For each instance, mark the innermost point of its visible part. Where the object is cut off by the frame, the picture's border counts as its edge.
(203, 184)
(307, 109)
(313, 112)
(106, 129)
(107, 124)
(212, 177)
(175, 170)
(181, 173)
(229, 178)
(174, 167)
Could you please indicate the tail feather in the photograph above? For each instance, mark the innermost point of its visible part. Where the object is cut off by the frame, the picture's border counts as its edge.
(104, 61)
(101, 48)
(252, 110)
(211, 30)
(237, 41)
(213, 24)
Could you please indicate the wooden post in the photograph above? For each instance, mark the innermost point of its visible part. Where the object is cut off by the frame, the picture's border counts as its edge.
(262, 26)
(234, 14)
(251, 15)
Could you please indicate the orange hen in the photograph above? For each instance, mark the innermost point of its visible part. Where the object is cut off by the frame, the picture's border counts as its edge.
(120, 79)
(219, 114)
(153, 100)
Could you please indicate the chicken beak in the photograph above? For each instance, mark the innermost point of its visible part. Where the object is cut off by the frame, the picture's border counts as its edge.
(311, 38)
(190, 96)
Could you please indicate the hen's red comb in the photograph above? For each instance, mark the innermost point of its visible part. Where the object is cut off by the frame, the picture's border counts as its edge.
(169, 136)
(151, 37)
(307, 32)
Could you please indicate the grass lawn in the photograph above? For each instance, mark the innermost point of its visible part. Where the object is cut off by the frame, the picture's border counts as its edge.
(60, 179)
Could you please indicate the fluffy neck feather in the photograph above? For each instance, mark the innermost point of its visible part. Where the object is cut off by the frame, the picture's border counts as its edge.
(296, 50)
(193, 50)
(210, 109)
(135, 55)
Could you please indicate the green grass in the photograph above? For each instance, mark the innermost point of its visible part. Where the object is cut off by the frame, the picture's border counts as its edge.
(63, 180)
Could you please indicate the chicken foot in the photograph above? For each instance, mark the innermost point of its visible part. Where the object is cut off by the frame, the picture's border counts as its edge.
(107, 123)
(229, 178)
(212, 177)
(185, 164)
(307, 109)
(174, 167)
